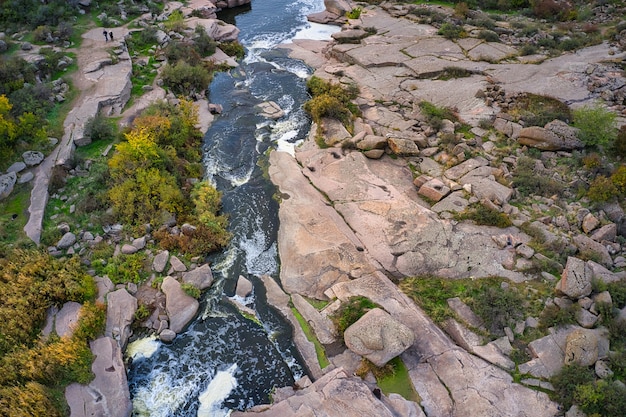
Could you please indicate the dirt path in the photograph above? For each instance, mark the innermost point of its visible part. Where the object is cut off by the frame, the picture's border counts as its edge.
(103, 79)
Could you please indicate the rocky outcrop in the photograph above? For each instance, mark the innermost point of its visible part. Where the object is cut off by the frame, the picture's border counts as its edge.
(121, 308)
(180, 307)
(378, 337)
(333, 394)
(200, 277)
(107, 395)
(7, 182)
(555, 136)
(576, 279)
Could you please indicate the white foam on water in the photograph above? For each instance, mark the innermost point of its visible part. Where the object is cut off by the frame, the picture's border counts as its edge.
(162, 396)
(238, 177)
(220, 387)
(259, 260)
(316, 32)
(142, 348)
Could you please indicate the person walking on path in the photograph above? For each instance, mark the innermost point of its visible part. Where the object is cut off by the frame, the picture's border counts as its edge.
(111, 36)
(106, 35)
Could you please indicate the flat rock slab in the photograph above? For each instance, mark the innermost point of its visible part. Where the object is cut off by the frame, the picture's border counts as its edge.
(334, 394)
(317, 248)
(107, 395)
(377, 199)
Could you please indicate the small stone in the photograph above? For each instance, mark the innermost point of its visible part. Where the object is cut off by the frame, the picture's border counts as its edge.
(160, 261)
(167, 335)
(128, 249)
(66, 241)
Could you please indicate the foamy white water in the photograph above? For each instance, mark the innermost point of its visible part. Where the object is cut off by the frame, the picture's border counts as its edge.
(218, 390)
(316, 32)
(155, 401)
(142, 348)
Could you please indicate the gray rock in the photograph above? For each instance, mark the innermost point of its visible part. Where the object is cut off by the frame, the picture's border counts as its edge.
(7, 182)
(590, 222)
(402, 147)
(129, 249)
(575, 280)
(67, 240)
(586, 319)
(463, 168)
(139, 243)
(321, 324)
(608, 233)
(26, 177)
(600, 273)
(581, 348)
(603, 370)
(378, 337)
(17, 167)
(270, 110)
(32, 158)
(105, 286)
(574, 411)
(181, 308)
(160, 261)
(465, 313)
(370, 142)
(167, 335)
(121, 308)
(547, 140)
(454, 202)
(177, 265)
(67, 318)
(244, 287)
(200, 277)
(434, 190)
(108, 394)
(589, 246)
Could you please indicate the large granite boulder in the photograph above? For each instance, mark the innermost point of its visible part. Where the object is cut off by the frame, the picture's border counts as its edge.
(32, 158)
(200, 277)
(378, 337)
(581, 348)
(7, 182)
(107, 395)
(216, 29)
(121, 308)
(67, 240)
(555, 136)
(180, 307)
(244, 287)
(576, 278)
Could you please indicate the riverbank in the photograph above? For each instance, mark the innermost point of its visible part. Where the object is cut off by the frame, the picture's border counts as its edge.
(379, 201)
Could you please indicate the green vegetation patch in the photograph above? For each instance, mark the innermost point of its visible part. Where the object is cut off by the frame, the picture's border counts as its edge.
(538, 110)
(398, 381)
(331, 100)
(308, 332)
(351, 311)
(597, 125)
(483, 215)
(496, 304)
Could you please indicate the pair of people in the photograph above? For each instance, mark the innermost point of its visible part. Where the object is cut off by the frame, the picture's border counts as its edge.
(107, 35)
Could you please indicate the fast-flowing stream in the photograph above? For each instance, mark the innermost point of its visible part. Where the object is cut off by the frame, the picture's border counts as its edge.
(224, 361)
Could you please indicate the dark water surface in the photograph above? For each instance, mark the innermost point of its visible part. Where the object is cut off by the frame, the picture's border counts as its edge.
(224, 361)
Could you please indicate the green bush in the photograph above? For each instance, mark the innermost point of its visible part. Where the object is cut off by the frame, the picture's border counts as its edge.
(451, 31)
(568, 380)
(498, 307)
(234, 49)
(602, 398)
(100, 128)
(619, 146)
(527, 182)
(554, 316)
(489, 36)
(190, 289)
(127, 268)
(537, 110)
(528, 49)
(483, 215)
(597, 125)
(331, 100)
(354, 13)
(602, 189)
(351, 311)
(185, 79)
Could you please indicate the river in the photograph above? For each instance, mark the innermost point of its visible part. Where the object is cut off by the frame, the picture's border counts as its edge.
(224, 361)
